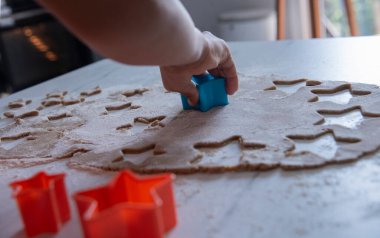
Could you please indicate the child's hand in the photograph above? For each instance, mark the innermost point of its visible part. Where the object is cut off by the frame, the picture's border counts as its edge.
(216, 59)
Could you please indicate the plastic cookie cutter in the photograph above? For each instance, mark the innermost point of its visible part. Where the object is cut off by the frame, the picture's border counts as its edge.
(42, 202)
(212, 93)
(129, 206)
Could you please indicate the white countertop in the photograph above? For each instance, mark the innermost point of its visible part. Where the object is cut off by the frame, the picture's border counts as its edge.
(334, 201)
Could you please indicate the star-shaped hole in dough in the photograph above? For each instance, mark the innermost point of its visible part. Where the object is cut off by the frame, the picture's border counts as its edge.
(137, 156)
(324, 145)
(145, 123)
(350, 117)
(228, 152)
(292, 86)
(10, 141)
(142, 123)
(342, 97)
(339, 95)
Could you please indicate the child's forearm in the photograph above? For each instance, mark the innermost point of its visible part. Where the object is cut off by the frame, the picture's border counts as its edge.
(140, 32)
(149, 32)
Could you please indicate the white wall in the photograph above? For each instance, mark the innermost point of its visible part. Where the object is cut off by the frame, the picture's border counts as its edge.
(205, 14)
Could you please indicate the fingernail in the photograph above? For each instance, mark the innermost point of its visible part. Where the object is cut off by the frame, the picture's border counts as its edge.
(190, 102)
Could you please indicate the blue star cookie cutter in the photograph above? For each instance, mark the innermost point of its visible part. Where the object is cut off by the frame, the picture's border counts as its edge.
(212, 93)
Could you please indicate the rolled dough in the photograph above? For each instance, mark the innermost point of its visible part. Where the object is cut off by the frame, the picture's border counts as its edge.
(147, 131)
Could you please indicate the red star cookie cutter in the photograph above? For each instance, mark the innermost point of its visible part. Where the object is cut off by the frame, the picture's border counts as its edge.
(42, 202)
(129, 206)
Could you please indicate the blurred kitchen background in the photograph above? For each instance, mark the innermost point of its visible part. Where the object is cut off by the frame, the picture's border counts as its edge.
(34, 47)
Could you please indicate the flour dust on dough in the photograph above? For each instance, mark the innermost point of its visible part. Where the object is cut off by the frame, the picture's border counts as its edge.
(146, 130)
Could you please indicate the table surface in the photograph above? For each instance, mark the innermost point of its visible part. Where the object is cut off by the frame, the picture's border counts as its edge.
(334, 201)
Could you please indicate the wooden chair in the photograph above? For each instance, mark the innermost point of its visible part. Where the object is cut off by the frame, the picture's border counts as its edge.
(315, 18)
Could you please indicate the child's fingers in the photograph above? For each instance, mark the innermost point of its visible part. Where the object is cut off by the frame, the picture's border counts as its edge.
(228, 70)
(225, 65)
(178, 82)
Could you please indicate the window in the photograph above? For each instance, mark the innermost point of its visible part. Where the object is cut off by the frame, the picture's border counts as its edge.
(367, 17)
